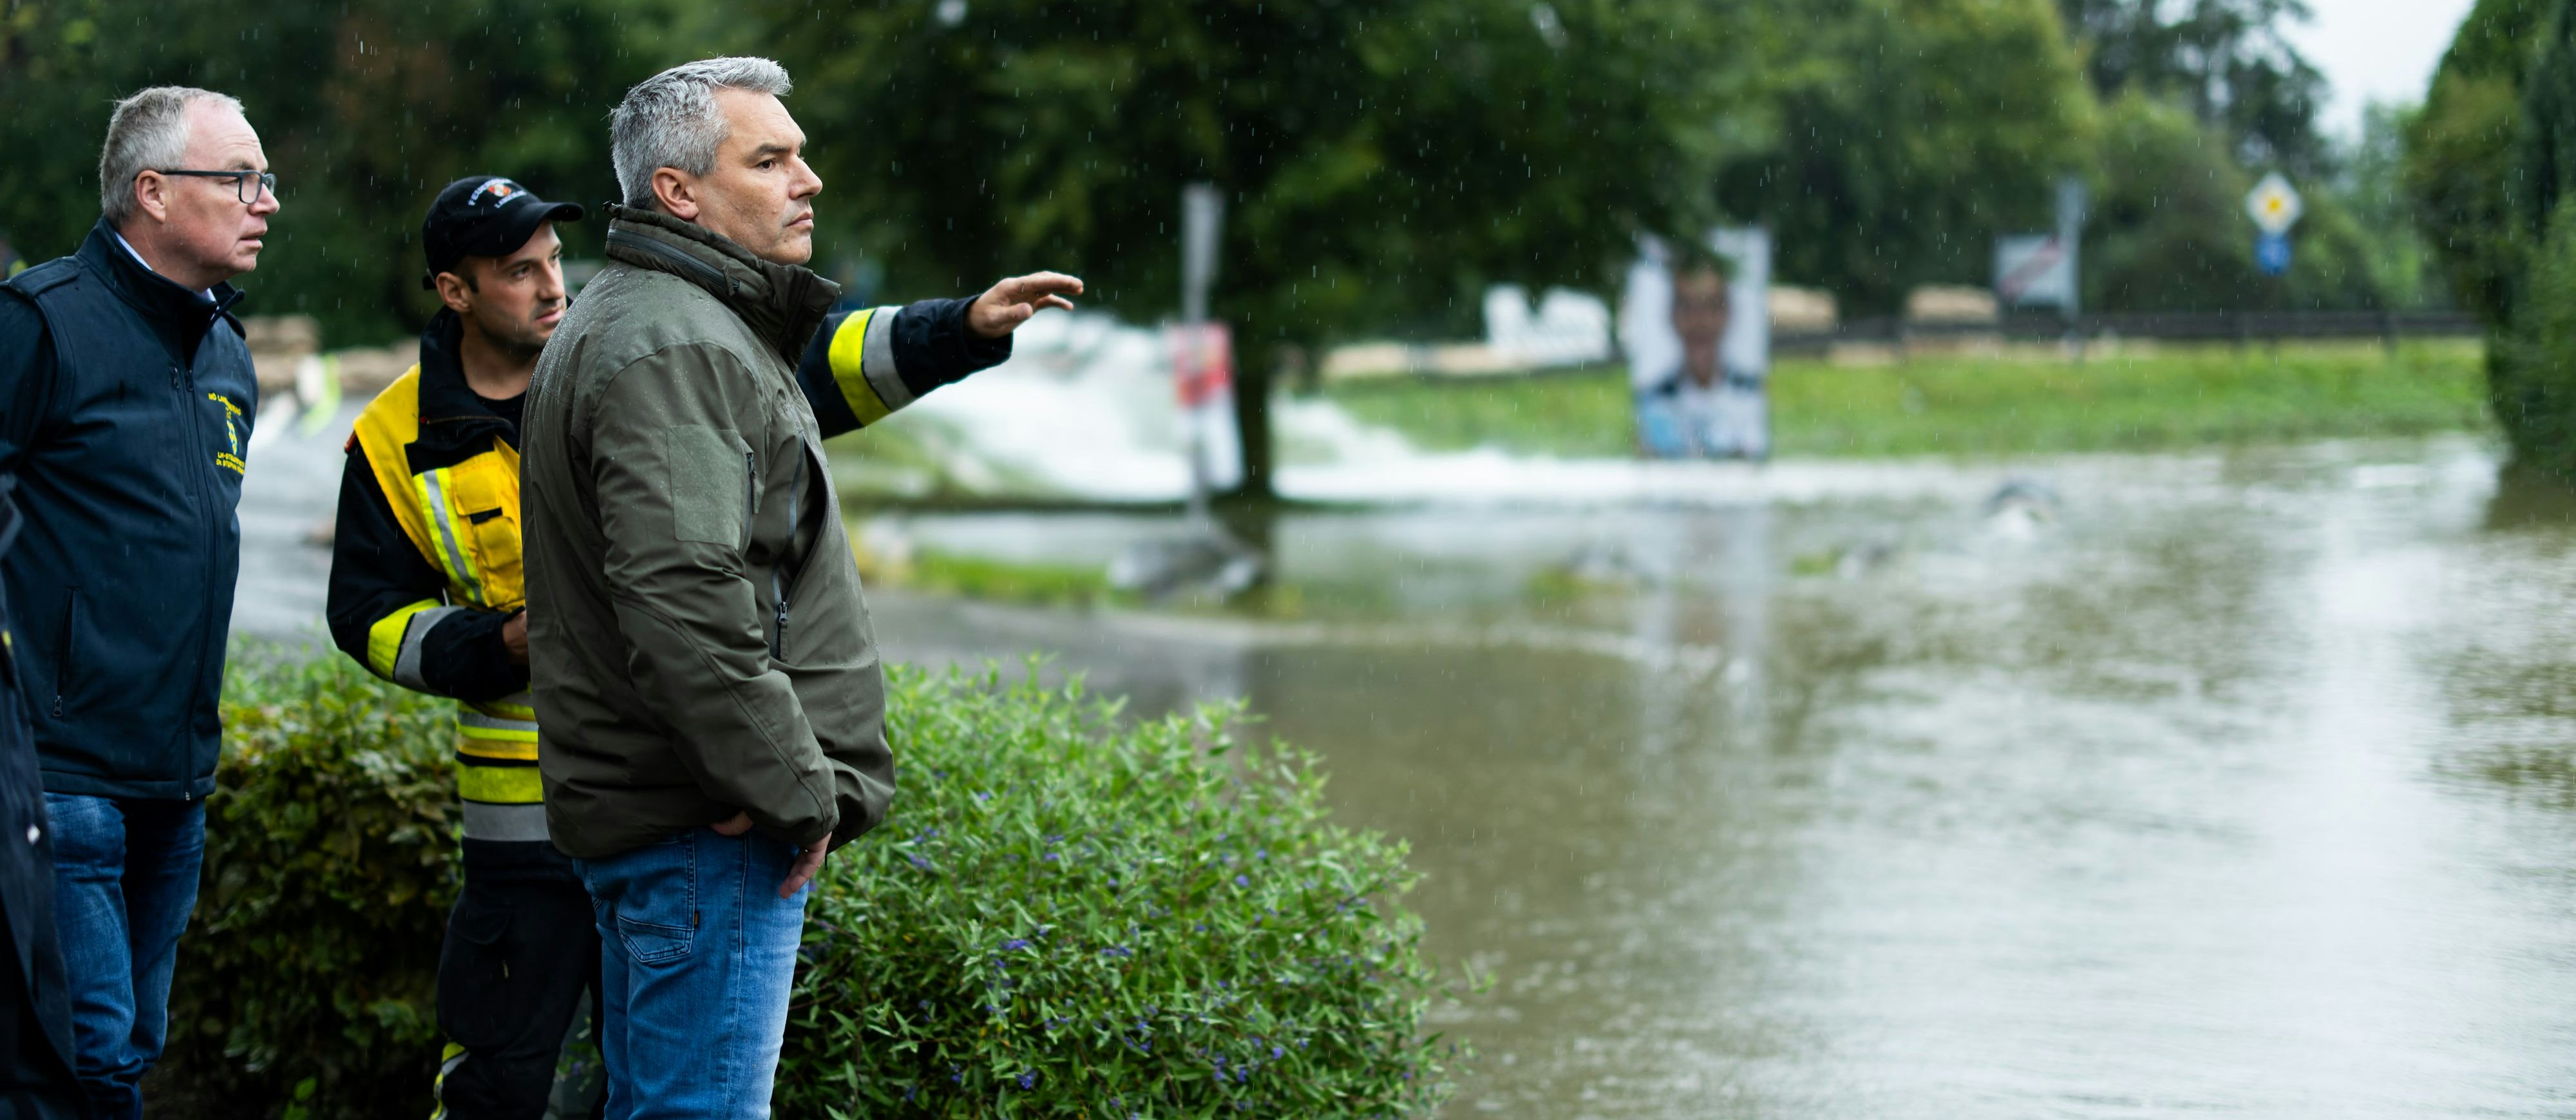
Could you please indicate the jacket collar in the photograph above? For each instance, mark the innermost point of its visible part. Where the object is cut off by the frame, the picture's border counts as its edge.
(451, 415)
(181, 315)
(782, 303)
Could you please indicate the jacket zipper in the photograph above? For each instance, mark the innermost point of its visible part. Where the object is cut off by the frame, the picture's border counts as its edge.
(63, 650)
(750, 498)
(782, 579)
(206, 497)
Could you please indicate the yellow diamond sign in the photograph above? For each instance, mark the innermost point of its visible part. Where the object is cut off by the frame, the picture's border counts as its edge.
(2273, 205)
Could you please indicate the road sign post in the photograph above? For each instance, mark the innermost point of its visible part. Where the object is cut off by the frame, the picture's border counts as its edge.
(1202, 359)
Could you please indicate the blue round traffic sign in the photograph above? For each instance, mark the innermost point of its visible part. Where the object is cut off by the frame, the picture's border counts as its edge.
(2272, 253)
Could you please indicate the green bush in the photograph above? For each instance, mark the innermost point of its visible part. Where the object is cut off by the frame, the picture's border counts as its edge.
(1070, 918)
(1070, 914)
(330, 865)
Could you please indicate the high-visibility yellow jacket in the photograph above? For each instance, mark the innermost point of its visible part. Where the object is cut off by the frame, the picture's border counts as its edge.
(425, 566)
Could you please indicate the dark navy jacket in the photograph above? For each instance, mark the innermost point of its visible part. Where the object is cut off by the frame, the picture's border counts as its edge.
(125, 408)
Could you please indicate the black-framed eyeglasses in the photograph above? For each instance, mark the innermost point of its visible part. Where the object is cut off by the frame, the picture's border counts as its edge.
(248, 186)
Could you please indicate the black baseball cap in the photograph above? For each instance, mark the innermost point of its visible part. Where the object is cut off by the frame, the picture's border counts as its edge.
(484, 216)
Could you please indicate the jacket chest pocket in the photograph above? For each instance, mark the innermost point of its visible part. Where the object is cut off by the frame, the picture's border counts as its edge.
(473, 510)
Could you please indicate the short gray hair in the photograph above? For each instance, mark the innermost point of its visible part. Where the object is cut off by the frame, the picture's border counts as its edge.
(148, 132)
(671, 119)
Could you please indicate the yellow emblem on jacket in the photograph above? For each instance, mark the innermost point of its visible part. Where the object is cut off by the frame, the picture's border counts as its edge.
(232, 433)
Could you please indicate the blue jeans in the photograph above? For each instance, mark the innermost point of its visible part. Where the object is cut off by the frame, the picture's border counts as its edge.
(697, 954)
(125, 877)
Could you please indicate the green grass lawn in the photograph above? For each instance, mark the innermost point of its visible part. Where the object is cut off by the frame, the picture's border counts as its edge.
(2178, 397)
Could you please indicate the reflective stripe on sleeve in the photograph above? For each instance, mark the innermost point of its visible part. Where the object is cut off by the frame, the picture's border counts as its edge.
(879, 364)
(407, 663)
(862, 356)
(504, 822)
(385, 637)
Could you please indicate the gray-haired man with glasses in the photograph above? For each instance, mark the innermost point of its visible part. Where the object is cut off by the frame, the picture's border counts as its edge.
(126, 398)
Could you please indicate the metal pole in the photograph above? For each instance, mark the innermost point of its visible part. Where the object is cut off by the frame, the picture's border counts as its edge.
(2071, 204)
(1202, 216)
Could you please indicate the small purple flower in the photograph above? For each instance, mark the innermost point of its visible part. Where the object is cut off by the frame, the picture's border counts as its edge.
(1015, 944)
(1240, 881)
(1028, 1081)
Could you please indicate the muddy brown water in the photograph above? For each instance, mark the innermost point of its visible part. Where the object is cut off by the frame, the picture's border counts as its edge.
(2222, 785)
(2234, 784)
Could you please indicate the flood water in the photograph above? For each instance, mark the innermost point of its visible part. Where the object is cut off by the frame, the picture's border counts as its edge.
(2237, 784)
(2233, 784)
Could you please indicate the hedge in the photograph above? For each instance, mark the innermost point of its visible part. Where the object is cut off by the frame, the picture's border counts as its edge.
(1071, 913)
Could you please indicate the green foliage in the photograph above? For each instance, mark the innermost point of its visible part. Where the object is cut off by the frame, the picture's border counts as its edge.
(1117, 910)
(2230, 62)
(309, 968)
(2400, 265)
(2544, 151)
(1381, 162)
(1378, 160)
(2459, 155)
(2532, 372)
(2490, 164)
(982, 577)
(365, 108)
(1067, 918)
(1909, 134)
(2170, 233)
(2179, 398)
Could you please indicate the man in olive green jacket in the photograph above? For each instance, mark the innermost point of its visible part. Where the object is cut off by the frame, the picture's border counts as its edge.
(708, 692)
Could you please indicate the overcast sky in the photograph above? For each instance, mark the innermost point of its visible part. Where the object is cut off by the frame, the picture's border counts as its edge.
(2376, 50)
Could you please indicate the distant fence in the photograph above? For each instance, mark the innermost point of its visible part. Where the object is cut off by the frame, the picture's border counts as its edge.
(2196, 326)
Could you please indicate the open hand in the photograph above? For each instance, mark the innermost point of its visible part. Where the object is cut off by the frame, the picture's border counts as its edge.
(1015, 301)
(809, 861)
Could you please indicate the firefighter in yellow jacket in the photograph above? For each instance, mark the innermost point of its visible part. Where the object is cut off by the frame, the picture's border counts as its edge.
(426, 591)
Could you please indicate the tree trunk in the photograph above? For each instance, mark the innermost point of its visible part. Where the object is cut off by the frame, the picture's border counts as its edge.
(1252, 377)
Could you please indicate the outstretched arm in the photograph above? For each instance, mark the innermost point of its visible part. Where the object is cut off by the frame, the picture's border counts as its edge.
(864, 365)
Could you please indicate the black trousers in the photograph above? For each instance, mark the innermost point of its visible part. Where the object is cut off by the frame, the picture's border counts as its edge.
(36, 1080)
(522, 949)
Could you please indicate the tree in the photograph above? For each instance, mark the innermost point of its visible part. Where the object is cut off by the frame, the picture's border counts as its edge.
(2229, 61)
(1905, 136)
(2487, 166)
(2459, 154)
(2401, 265)
(366, 109)
(2169, 231)
(1381, 162)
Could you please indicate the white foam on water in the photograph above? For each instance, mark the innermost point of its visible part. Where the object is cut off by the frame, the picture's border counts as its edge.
(1084, 406)
(1085, 409)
